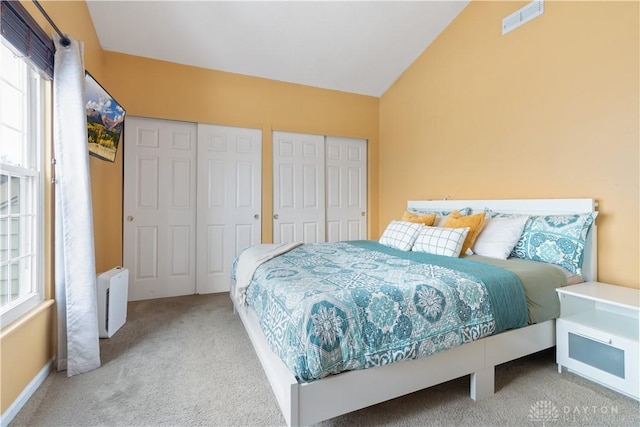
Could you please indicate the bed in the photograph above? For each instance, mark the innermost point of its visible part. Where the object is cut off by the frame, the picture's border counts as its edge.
(307, 397)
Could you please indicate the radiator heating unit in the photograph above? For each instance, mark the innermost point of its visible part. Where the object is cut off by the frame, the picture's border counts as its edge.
(113, 287)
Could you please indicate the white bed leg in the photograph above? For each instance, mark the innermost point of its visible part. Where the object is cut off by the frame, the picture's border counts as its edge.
(294, 413)
(483, 383)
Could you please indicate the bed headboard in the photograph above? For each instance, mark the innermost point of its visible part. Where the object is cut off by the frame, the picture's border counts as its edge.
(530, 207)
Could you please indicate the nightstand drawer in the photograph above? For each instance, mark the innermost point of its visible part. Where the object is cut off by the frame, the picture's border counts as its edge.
(599, 355)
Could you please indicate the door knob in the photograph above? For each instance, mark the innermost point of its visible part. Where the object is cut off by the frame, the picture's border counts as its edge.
(256, 216)
(362, 213)
(275, 216)
(129, 218)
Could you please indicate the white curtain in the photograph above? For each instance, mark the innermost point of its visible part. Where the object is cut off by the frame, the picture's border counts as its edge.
(75, 272)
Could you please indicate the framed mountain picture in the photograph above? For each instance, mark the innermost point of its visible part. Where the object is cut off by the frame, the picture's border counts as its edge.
(105, 120)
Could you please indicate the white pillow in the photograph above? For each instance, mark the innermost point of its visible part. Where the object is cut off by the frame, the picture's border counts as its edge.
(440, 240)
(499, 236)
(400, 234)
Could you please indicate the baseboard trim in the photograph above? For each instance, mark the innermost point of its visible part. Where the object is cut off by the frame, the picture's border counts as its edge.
(26, 394)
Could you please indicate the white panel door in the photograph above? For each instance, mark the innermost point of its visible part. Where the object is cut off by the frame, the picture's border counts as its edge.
(159, 207)
(346, 188)
(298, 188)
(229, 200)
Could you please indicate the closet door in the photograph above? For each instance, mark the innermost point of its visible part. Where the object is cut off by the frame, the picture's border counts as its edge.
(229, 200)
(346, 183)
(298, 188)
(159, 207)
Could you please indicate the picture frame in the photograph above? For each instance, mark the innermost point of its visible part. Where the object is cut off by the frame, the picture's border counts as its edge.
(105, 120)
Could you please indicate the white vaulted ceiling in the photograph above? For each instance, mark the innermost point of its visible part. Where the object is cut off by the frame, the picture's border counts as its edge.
(355, 46)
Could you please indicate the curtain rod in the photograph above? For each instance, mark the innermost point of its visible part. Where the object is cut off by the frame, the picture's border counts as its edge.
(64, 40)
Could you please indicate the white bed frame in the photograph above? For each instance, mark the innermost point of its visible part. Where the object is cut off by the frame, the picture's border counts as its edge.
(309, 403)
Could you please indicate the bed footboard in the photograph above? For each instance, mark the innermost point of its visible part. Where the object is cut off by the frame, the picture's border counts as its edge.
(309, 403)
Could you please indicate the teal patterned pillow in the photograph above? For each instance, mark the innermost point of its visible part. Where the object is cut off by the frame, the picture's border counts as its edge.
(489, 213)
(463, 211)
(556, 239)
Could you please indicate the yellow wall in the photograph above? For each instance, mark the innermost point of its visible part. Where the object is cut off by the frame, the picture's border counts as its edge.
(166, 90)
(26, 347)
(549, 110)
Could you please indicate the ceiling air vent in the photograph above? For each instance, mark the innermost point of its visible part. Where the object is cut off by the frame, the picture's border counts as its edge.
(522, 16)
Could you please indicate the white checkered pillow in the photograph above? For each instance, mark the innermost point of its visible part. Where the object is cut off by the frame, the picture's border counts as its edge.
(440, 241)
(400, 234)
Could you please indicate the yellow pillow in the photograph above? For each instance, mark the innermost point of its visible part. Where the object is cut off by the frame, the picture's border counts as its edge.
(474, 222)
(428, 219)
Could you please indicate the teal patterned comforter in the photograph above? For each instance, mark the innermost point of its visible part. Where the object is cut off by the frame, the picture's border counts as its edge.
(326, 308)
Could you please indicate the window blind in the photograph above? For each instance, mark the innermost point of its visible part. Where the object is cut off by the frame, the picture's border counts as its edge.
(26, 36)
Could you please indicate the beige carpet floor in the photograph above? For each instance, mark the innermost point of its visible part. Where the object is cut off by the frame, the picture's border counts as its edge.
(187, 361)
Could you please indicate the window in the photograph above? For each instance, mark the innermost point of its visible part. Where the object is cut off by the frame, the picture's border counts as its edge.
(21, 189)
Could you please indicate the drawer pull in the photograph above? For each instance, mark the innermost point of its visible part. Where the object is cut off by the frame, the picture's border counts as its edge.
(603, 339)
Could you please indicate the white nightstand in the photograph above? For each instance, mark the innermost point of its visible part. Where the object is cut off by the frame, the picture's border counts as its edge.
(597, 334)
